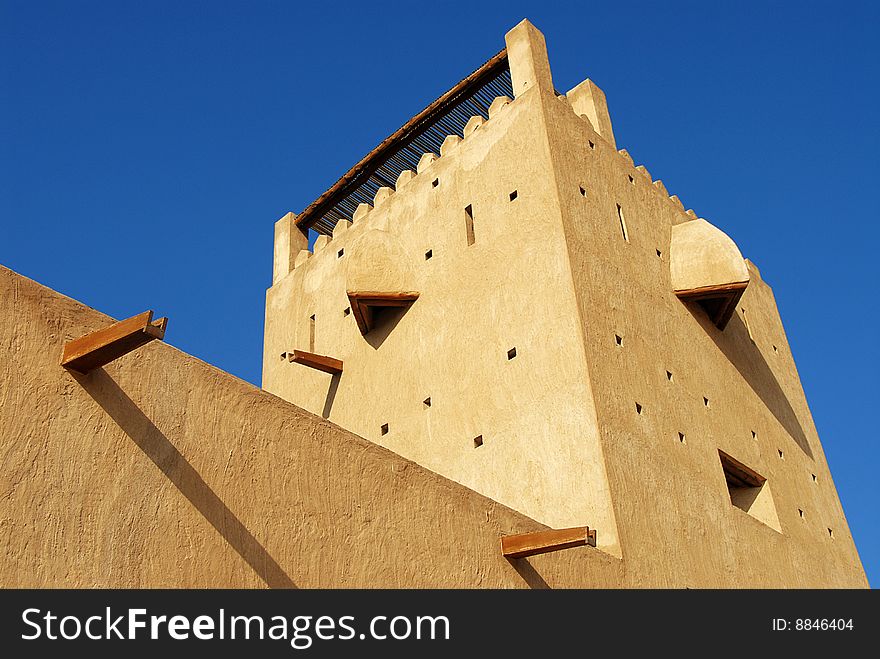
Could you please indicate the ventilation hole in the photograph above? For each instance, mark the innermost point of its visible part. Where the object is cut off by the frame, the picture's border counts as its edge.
(622, 223)
(513, 195)
(346, 311)
(659, 254)
(384, 428)
(435, 182)
(427, 402)
(283, 355)
(469, 224)
(590, 142)
(801, 513)
(478, 441)
(815, 480)
(754, 435)
(681, 437)
(340, 253)
(669, 375)
(618, 339)
(638, 408)
(705, 401)
(775, 349)
(511, 353)
(781, 454)
(830, 533)
(631, 179)
(583, 192)
(429, 254)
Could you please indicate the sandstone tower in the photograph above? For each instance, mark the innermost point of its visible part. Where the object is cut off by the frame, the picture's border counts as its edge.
(500, 295)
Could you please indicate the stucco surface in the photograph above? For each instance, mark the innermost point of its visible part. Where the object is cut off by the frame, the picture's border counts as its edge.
(162, 471)
(620, 397)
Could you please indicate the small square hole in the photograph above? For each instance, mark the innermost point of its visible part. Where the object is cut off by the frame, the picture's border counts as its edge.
(632, 180)
(583, 191)
(283, 355)
(513, 195)
(776, 350)
(830, 533)
(681, 437)
(590, 142)
(511, 353)
(754, 435)
(618, 339)
(801, 513)
(435, 182)
(815, 480)
(669, 375)
(659, 254)
(340, 253)
(384, 428)
(638, 408)
(346, 311)
(427, 402)
(478, 441)
(705, 401)
(429, 254)
(781, 454)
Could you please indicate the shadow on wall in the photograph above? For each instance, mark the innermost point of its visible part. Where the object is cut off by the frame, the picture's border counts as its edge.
(143, 432)
(386, 320)
(529, 574)
(742, 352)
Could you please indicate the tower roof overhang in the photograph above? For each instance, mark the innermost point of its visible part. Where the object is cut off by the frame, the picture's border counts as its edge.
(401, 151)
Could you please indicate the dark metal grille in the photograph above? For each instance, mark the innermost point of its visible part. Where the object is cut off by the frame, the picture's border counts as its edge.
(424, 133)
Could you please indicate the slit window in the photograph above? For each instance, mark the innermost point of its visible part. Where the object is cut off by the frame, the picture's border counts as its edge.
(469, 224)
(622, 223)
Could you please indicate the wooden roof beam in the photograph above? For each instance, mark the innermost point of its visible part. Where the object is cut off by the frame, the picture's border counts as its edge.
(542, 542)
(105, 345)
(318, 362)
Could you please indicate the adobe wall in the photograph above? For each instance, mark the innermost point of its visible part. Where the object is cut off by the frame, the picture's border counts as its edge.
(162, 471)
(677, 525)
(511, 288)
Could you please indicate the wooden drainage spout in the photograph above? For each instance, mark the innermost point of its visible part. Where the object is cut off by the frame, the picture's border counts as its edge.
(105, 345)
(542, 542)
(318, 362)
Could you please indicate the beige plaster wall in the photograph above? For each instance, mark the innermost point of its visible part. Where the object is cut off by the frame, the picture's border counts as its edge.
(512, 288)
(162, 471)
(677, 524)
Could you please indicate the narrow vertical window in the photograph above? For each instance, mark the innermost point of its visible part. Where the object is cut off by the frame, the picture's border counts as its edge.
(622, 223)
(469, 223)
(312, 333)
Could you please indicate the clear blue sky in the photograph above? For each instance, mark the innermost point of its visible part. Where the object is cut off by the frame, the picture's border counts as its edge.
(146, 149)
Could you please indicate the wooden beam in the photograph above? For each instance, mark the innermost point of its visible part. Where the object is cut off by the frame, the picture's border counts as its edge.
(541, 542)
(319, 362)
(719, 301)
(103, 346)
(363, 304)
